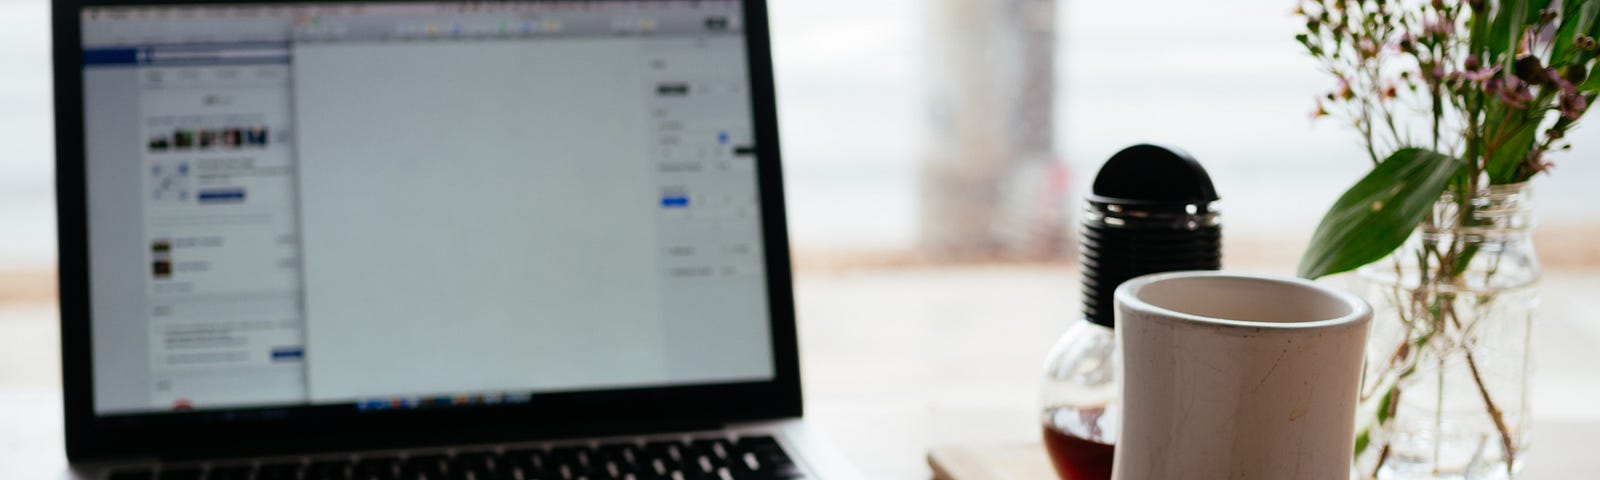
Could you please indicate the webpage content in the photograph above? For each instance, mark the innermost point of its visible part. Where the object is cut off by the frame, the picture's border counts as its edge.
(555, 223)
(220, 235)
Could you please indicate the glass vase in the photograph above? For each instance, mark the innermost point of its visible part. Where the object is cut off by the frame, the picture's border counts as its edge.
(1445, 388)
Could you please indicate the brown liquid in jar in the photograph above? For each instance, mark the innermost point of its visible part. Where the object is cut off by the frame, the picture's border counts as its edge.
(1076, 458)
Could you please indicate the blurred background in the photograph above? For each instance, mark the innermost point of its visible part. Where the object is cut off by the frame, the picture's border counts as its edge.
(935, 154)
(961, 130)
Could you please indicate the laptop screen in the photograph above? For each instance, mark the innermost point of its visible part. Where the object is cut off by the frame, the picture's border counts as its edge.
(416, 205)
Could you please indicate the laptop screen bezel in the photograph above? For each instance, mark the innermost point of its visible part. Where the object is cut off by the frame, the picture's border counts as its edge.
(263, 431)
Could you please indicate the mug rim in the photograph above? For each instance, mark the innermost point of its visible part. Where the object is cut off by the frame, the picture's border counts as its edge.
(1127, 295)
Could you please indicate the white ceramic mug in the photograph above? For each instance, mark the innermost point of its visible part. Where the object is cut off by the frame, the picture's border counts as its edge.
(1230, 376)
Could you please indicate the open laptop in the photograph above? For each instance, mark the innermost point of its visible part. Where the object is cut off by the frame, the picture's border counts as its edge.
(382, 240)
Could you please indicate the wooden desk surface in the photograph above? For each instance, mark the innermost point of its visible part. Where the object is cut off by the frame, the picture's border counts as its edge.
(1564, 451)
(899, 362)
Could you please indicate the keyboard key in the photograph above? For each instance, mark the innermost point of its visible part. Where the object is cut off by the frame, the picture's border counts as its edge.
(766, 451)
(649, 474)
(528, 464)
(598, 475)
(476, 466)
(761, 457)
(571, 456)
(669, 454)
(718, 448)
(578, 462)
(627, 456)
(695, 474)
(744, 466)
(655, 467)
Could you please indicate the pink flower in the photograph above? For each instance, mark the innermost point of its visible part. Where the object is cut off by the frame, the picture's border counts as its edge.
(1439, 27)
(1573, 105)
(1367, 48)
(1560, 81)
(1480, 76)
(1515, 93)
(1536, 162)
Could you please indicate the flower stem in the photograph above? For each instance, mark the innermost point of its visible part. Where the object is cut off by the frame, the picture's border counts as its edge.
(1507, 442)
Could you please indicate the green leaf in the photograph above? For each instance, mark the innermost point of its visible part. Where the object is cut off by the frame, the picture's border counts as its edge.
(1363, 439)
(1480, 32)
(1386, 404)
(1576, 17)
(1504, 162)
(1464, 259)
(1507, 28)
(1378, 213)
(1535, 6)
(1594, 29)
(1592, 83)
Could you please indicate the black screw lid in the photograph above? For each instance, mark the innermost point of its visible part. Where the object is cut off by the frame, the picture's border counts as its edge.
(1152, 210)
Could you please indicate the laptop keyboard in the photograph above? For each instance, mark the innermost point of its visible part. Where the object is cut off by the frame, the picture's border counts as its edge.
(750, 457)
